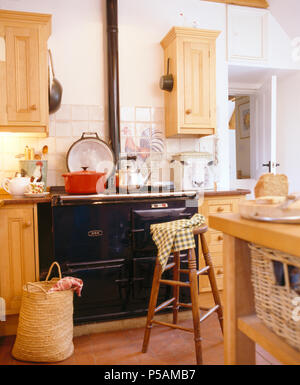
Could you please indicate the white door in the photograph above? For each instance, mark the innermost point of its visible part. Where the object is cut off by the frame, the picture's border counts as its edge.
(263, 143)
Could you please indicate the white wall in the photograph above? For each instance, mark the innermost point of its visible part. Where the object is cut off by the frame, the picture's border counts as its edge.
(76, 43)
(288, 150)
(142, 25)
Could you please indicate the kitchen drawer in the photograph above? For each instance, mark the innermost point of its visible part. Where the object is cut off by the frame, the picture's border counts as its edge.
(220, 208)
(216, 257)
(215, 238)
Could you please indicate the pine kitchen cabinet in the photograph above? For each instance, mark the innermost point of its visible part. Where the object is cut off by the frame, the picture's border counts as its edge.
(190, 108)
(18, 262)
(228, 202)
(24, 72)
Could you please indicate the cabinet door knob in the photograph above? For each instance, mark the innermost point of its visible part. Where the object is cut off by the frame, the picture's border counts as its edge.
(220, 271)
(33, 107)
(188, 111)
(220, 209)
(27, 224)
(220, 238)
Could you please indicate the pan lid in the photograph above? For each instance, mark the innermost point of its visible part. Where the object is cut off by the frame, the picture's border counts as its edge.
(91, 152)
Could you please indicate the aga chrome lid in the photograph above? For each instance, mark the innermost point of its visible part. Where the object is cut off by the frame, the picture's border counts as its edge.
(91, 152)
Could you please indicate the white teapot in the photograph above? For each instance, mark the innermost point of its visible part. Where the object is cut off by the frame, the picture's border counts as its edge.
(16, 186)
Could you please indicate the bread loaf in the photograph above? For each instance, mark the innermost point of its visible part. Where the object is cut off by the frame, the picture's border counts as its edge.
(272, 185)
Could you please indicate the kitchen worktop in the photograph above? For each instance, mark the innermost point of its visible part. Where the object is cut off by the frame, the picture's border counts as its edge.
(6, 199)
(243, 329)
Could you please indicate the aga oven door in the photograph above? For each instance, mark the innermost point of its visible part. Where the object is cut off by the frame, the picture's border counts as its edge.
(105, 290)
(145, 254)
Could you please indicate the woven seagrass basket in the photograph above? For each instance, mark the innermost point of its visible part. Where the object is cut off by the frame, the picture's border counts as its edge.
(45, 329)
(276, 303)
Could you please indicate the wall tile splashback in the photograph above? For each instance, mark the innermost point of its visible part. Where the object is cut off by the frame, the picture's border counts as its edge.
(142, 134)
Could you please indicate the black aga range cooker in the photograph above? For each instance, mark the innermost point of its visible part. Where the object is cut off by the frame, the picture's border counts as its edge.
(106, 242)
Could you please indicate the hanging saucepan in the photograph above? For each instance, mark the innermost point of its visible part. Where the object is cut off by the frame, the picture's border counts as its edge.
(92, 154)
(55, 89)
(167, 81)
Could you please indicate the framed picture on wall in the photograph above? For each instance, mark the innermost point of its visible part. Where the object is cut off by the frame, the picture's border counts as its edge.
(244, 120)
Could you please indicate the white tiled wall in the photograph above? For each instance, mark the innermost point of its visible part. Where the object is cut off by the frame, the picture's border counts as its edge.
(68, 124)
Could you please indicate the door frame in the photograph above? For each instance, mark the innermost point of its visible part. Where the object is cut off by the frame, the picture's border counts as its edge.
(252, 92)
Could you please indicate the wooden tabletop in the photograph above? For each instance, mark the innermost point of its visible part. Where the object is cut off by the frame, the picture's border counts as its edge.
(283, 237)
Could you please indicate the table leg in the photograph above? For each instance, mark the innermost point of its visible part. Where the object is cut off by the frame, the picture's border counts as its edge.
(238, 301)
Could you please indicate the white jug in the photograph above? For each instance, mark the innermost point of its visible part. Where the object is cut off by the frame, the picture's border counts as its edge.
(16, 186)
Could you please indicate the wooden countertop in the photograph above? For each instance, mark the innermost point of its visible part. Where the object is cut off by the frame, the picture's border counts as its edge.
(213, 193)
(6, 199)
(10, 200)
(283, 237)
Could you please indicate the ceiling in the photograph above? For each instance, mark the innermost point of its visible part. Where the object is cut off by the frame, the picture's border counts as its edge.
(254, 76)
(287, 12)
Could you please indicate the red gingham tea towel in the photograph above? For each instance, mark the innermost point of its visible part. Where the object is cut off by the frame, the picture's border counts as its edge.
(67, 283)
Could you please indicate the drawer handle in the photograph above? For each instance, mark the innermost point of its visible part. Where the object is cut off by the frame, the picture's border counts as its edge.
(220, 238)
(220, 209)
(188, 111)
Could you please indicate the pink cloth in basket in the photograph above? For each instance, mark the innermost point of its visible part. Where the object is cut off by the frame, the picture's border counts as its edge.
(67, 283)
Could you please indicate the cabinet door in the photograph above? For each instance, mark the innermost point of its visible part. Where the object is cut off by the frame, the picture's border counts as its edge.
(23, 80)
(197, 90)
(17, 255)
(247, 34)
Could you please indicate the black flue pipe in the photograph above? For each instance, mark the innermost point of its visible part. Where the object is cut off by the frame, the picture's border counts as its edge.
(113, 76)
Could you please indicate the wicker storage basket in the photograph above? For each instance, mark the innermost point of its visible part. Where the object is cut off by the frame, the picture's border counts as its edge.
(275, 304)
(45, 330)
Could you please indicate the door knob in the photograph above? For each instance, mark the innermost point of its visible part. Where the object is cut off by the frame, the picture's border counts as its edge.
(270, 165)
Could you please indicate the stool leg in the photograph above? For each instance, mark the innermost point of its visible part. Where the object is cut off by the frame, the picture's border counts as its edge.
(195, 306)
(176, 277)
(152, 304)
(212, 279)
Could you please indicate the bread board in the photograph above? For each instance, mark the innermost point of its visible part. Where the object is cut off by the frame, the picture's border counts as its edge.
(271, 210)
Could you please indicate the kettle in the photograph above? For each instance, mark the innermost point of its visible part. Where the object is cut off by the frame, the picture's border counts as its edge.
(131, 177)
(16, 186)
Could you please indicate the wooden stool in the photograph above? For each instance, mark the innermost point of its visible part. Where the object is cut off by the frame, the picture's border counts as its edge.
(193, 285)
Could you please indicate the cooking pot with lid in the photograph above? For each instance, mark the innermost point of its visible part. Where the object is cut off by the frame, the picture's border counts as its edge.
(84, 182)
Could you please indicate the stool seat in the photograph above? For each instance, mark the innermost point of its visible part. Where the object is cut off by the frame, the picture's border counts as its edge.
(192, 283)
(200, 230)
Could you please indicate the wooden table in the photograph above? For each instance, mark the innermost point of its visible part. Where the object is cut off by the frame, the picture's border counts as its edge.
(242, 328)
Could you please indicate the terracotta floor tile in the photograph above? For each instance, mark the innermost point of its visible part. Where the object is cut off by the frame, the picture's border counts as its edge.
(166, 347)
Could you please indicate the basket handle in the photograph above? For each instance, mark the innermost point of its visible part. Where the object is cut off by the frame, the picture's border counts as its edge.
(36, 285)
(50, 270)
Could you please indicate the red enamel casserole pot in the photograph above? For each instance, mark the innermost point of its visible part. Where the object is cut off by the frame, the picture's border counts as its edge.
(84, 182)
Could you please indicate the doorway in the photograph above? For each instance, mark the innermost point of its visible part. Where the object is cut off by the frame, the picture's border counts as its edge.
(240, 123)
(252, 124)
(243, 128)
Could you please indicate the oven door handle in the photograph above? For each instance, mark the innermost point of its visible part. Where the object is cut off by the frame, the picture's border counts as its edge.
(138, 230)
(72, 271)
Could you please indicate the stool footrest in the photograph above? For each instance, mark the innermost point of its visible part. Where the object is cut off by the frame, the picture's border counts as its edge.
(170, 266)
(174, 326)
(164, 304)
(188, 305)
(209, 313)
(174, 283)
